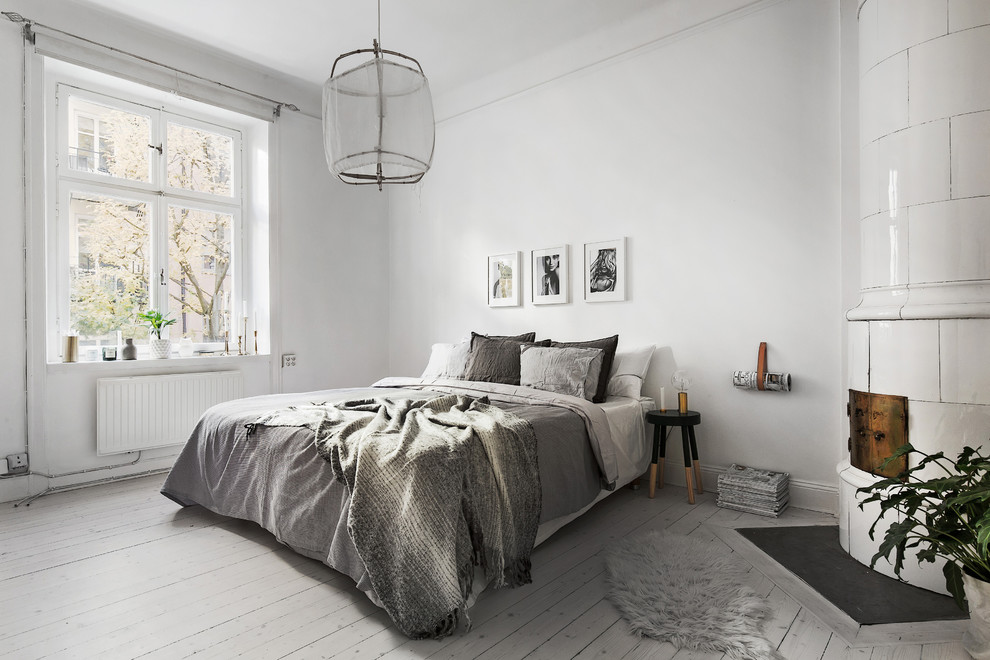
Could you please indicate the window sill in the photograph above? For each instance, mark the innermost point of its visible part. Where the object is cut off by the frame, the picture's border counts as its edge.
(154, 366)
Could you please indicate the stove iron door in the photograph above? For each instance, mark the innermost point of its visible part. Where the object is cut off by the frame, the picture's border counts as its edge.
(877, 427)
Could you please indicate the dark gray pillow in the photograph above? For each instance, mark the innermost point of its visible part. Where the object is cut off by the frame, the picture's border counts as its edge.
(526, 336)
(607, 345)
(496, 360)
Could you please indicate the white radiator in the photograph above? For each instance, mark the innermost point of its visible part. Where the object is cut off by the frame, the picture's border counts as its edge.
(144, 412)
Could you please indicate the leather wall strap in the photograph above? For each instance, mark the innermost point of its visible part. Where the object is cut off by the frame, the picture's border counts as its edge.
(761, 366)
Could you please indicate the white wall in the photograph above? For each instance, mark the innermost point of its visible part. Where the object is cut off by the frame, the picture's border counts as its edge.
(717, 154)
(327, 303)
(850, 223)
(334, 278)
(13, 361)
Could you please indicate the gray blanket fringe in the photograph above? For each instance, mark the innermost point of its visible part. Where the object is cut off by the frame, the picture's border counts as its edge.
(438, 486)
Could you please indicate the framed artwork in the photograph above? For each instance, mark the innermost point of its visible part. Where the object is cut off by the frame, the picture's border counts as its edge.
(504, 280)
(550, 276)
(605, 271)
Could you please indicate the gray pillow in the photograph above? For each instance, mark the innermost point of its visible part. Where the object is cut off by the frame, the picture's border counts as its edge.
(495, 360)
(595, 374)
(526, 336)
(607, 344)
(560, 370)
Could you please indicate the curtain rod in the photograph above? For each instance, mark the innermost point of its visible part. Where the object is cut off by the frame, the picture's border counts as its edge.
(28, 30)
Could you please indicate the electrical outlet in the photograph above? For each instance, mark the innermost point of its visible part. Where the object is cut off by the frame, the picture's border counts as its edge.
(288, 359)
(17, 463)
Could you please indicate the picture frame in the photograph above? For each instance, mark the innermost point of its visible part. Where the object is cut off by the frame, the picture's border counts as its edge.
(605, 271)
(504, 280)
(550, 275)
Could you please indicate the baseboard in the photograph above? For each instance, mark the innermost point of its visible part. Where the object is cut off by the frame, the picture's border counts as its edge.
(35, 485)
(14, 489)
(145, 465)
(814, 496)
(809, 495)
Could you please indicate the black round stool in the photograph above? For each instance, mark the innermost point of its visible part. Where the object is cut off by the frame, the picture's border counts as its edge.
(661, 419)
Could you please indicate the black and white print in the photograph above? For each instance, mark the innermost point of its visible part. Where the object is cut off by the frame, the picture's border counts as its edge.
(550, 276)
(605, 271)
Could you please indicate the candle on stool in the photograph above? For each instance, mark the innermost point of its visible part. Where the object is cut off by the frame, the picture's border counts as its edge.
(663, 402)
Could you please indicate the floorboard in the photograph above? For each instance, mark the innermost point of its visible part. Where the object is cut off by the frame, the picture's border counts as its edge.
(118, 571)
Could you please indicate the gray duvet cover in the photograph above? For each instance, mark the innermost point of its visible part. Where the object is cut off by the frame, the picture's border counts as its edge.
(275, 477)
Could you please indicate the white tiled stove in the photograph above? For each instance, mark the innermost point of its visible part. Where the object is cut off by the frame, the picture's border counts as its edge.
(922, 327)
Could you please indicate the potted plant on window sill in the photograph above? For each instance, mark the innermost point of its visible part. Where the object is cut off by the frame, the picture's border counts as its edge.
(157, 322)
(943, 517)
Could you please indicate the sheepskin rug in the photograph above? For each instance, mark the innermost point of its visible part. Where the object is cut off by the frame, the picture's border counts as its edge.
(689, 593)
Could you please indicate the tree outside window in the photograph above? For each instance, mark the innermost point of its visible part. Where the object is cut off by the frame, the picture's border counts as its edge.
(115, 270)
(109, 270)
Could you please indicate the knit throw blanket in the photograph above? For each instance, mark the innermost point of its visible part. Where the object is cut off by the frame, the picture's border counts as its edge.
(438, 486)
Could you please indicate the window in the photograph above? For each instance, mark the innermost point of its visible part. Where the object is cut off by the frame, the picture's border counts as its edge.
(147, 213)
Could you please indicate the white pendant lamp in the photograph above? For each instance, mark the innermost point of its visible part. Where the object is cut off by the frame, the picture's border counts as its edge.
(378, 123)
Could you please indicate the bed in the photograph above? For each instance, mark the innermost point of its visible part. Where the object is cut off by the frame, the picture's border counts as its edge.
(242, 461)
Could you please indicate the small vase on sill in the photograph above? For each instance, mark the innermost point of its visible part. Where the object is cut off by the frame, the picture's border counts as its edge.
(129, 352)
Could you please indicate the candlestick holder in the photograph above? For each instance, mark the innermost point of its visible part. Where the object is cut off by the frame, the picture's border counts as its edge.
(255, 342)
(240, 348)
(226, 344)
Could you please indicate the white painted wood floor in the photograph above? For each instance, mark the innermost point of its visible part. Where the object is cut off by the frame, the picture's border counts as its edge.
(119, 571)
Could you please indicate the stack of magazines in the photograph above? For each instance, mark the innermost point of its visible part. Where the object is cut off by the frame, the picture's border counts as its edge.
(754, 491)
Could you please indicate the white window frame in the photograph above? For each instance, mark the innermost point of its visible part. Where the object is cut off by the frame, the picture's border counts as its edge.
(237, 251)
(58, 283)
(61, 181)
(62, 88)
(236, 178)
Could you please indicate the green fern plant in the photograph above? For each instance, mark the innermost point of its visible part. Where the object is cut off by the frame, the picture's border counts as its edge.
(944, 517)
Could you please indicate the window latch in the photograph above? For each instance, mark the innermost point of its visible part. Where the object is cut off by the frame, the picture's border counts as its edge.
(161, 277)
(158, 148)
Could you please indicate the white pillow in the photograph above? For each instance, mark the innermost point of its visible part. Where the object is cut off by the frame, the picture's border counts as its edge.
(560, 370)
(439, 353)
(629, 370)
(447, 360)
